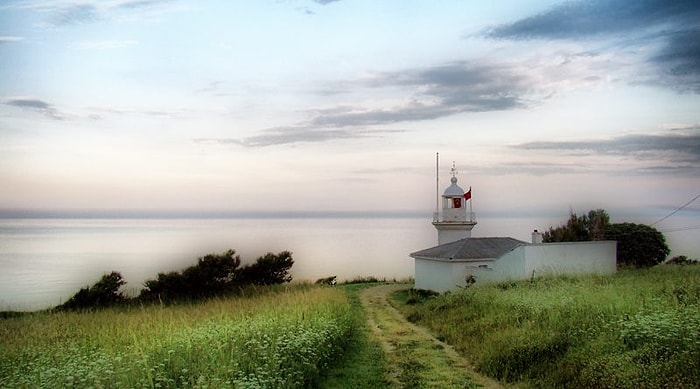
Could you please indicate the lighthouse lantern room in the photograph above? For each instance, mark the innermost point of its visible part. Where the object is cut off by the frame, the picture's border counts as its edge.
(455, 222)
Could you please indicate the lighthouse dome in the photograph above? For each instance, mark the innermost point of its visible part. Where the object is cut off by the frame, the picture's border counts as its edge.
(453, 190)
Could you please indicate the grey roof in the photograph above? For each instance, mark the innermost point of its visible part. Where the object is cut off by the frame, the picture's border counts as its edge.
(470, 249)
(453, 190)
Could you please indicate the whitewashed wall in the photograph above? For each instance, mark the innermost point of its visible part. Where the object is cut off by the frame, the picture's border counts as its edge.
(598, 257)
(442, 276)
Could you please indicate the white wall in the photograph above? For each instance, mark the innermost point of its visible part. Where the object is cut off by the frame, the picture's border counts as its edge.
(442, 276)
(452, 235)
(598, 257)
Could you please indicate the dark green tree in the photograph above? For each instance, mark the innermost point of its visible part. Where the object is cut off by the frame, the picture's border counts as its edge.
(269, 269)
(106, 292)
(165, 287)
(682, 260)
(638, 245)
(214, 274)
(580, 228)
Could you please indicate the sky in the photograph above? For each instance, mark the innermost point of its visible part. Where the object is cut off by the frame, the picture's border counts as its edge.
(341, 105)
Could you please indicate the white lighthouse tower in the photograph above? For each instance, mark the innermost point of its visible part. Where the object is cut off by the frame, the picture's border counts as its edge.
(454, 222)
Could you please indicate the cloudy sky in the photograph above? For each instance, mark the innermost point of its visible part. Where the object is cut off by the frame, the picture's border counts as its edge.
(341, 105)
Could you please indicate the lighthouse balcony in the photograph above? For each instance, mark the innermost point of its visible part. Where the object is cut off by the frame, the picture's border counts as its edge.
(453, 217)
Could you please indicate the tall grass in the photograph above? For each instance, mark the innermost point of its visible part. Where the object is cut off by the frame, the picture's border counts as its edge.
(636, 329)
(277, 340)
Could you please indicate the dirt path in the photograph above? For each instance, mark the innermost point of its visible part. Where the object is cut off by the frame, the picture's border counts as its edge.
(416, 359)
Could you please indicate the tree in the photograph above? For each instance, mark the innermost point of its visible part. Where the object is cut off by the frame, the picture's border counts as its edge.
(214, 274)
(682, 260)
(638, 245)
(269, 269)
(580, 228)
(106, 292)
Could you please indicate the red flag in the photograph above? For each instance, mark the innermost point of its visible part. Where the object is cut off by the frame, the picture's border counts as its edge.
(468, 195)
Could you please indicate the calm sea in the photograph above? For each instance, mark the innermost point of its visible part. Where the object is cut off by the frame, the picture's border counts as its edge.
(45, 261)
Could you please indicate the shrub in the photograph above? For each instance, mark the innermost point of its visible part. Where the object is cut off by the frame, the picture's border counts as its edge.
(213, 275)
(270, 269)
(104, 293)
(216, 275)
(638, 245)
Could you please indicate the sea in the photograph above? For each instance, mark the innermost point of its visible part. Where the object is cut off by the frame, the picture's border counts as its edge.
(44, 261)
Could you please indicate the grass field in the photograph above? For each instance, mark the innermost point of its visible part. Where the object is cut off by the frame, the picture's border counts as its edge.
(281, 338)
(636, 329)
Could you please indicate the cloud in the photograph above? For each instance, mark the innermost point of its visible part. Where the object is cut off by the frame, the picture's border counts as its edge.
(9, 39)
(71, 12)
(580, 19)
(677, 149)
(668, 29)
(679, 61)
(62, 15)
(137, 4)
(465, 86)
(104, 44)
(33, 104)
(290, 135)
(325, 2)
(434, 92)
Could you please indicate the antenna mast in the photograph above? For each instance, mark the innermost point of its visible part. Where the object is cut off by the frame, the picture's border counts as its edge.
(437, 183)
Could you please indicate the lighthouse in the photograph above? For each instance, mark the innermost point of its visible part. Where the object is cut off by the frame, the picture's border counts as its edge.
(454, 222)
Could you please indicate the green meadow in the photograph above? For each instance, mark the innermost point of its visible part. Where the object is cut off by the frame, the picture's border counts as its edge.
(279, 338)
(636, 329)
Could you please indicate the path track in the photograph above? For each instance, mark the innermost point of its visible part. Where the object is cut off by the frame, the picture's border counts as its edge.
(415, 357)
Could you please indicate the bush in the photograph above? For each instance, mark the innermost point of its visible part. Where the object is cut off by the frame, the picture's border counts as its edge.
(681, 260)
(216, 275)
(270, 269)
(213, 275)
(104, 293)
(580, 228)
(638, 245)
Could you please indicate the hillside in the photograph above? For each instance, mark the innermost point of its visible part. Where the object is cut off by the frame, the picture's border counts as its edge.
(636, 329)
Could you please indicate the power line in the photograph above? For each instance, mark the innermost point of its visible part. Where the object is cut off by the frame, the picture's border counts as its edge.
(679, 208)
(688, 228)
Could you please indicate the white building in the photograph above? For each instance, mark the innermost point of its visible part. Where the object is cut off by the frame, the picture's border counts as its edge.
(493, 259)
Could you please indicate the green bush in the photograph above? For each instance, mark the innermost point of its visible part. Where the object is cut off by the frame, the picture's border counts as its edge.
(106, 292)
(213, 275)
(270, 269)
(216, 275)
(638, 245)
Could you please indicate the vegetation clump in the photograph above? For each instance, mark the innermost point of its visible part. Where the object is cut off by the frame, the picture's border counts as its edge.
(213, 275)
(636, 329)
(218, 274)
(638, 245)
(272, 340)
(106, 292)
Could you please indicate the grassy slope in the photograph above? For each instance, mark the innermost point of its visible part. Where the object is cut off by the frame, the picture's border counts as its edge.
(635, 329)
(275, 339)
(363, 364)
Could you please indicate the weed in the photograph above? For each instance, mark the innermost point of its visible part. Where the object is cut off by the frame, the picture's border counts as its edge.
(638, 328)
(278, 340)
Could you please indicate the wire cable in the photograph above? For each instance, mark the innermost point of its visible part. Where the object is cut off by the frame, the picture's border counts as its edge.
(678, 209)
